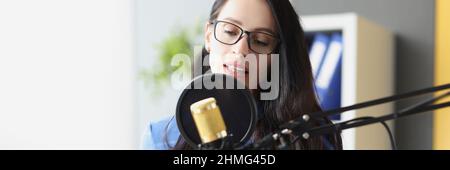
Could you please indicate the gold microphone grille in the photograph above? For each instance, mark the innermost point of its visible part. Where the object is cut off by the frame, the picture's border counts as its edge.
(209, 120)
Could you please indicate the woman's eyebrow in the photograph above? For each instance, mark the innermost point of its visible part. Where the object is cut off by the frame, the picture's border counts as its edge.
(262, 29)
(233, 20)
(265, 30)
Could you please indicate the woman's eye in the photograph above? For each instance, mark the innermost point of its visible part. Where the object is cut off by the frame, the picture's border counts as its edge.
(261, 43)
(230, 32)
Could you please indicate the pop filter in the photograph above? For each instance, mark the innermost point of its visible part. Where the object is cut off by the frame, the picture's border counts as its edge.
(237, 105)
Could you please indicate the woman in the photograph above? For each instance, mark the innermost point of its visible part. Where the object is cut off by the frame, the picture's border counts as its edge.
(238, 28)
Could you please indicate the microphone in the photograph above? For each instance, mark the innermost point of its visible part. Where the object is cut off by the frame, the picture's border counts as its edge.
(216, 117)
(209, 122)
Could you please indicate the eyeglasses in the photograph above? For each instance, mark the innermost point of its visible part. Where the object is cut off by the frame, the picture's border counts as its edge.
(259, 42)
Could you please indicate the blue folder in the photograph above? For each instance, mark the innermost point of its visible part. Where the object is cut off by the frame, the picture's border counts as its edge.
(328, 81)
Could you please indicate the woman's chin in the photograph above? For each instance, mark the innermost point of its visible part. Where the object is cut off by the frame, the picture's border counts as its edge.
(242, 77)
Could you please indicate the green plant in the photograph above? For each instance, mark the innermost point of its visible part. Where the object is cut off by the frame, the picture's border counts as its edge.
(181, 41)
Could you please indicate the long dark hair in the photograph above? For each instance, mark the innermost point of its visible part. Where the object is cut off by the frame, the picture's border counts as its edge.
(296, 94)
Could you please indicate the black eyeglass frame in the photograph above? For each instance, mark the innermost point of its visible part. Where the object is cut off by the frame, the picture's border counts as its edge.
(216, 22)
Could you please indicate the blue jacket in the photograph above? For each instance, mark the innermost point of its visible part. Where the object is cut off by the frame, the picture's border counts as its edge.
(154, 139)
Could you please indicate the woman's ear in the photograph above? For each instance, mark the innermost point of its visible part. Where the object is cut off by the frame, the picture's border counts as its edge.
(208, 33)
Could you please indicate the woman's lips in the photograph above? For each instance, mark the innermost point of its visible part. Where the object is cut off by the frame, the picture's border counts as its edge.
(234, 70)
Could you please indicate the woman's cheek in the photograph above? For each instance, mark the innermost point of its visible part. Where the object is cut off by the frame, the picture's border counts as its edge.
(215, 62)
(263, 72)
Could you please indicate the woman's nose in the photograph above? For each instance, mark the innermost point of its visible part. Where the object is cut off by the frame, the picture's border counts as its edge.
(241, 47)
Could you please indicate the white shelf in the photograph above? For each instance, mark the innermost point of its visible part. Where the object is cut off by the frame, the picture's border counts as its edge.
(367, 73)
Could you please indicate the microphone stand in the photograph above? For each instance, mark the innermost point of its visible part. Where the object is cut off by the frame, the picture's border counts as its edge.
(224, 143)
(303, 129)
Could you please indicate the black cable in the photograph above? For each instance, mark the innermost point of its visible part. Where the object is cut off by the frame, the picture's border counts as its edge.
(391, 136)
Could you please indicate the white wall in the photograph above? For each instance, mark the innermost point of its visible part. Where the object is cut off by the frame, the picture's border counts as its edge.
(67, 74)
